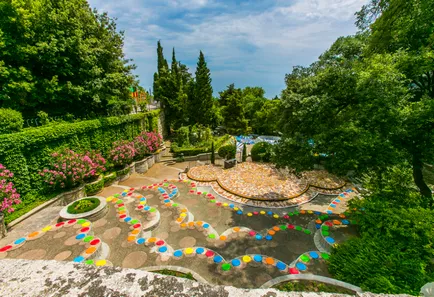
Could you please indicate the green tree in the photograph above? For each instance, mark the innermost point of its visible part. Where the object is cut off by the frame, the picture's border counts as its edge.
(201, 101)
(62, 57)
(212, 153)
(244, 153)
(405, 29)
(233, 112)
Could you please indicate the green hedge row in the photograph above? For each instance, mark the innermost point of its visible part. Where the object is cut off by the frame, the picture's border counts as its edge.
(193, 151)
(28, 152)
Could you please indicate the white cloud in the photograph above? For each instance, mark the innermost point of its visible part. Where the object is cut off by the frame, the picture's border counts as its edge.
(255, 47)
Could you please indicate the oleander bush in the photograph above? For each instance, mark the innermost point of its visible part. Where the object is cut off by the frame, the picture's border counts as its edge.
(8, 194)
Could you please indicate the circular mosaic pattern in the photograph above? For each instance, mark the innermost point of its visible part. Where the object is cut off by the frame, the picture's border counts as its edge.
(62, 256)
(59, 234)
(111, 234)
(187, 242)
(71, 241)
(135, 260)
(37, 254)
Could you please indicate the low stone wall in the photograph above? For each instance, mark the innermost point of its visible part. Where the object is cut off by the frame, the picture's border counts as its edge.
(52, 278)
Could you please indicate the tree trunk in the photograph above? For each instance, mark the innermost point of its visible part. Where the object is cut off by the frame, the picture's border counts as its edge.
(425, 191)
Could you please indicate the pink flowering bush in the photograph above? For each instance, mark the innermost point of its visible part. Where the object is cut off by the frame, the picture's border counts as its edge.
(147, 143)
(8, 194)
(122, 154)
(70, 169)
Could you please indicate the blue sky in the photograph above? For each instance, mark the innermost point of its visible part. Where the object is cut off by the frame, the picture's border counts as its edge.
(246, 42)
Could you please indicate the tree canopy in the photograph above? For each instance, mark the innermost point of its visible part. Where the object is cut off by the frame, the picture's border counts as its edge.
(62, 57)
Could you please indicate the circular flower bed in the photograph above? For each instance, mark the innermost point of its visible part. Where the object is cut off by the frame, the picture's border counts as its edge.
(83, 205)
(90, 208)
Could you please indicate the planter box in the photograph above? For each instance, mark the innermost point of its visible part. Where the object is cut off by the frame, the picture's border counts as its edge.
(230, 163)
(71, 196)
(151, 161)
(142, 165)
(95, 187)
(3, 230)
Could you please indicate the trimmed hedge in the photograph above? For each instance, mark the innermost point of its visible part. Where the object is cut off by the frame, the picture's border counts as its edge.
(193, 151)
(109, 178)
(28, 152)
(93, 188)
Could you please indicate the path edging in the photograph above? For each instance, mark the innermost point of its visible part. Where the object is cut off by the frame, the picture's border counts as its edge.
(311, 277)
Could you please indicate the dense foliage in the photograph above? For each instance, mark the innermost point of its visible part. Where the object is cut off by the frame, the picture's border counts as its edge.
(261, 152)
(194, 140)
(10, 121)
(62, 57)
(396, 238)
(365, 108)
(365, 104)
(28, 152)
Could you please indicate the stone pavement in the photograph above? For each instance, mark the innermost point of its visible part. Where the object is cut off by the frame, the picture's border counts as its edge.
(63, 279)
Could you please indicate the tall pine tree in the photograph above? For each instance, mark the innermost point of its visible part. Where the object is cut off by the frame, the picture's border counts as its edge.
(201, 103)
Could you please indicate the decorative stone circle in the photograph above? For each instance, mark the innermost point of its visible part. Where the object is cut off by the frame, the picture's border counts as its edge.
(68, 216)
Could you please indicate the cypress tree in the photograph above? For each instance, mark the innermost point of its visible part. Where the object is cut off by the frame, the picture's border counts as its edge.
(161, 62)
(202, 103)
(212, 153)
(244, 153)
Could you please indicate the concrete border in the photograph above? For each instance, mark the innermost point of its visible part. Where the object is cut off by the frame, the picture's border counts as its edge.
(67, 216)
(311, 277)
(34, 211)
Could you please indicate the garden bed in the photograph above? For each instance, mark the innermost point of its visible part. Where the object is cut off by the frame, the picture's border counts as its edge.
(83, 205)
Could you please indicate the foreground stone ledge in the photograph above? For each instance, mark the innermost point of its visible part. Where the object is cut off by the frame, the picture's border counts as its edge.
(52, 278)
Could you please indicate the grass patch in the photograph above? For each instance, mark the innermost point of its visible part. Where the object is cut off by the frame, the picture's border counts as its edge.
(311, 286)
(83, 205)
(175, 273)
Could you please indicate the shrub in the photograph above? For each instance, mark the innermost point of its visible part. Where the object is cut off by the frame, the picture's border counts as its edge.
(261, 151)
(43, 117)
(93, 188)
(109, 178)
(10, 121)
(227, 151)
(70, 169)
(182, 136)
(8, 193)
(83, 205)
(154, 141)
(122, 154)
